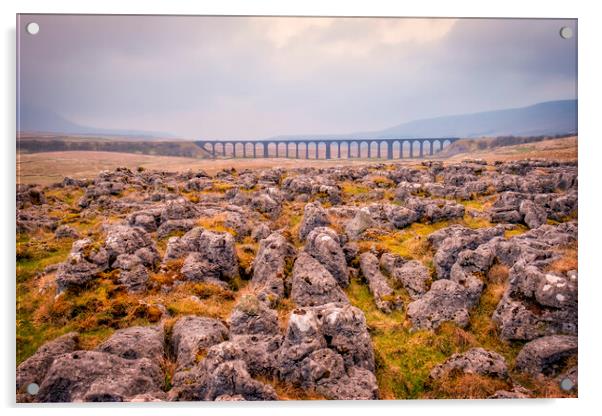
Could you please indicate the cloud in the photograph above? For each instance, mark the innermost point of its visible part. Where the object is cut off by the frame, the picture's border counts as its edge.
(339, 36)
(259, 76)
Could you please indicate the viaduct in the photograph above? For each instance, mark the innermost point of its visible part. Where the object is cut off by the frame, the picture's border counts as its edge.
(327, 148)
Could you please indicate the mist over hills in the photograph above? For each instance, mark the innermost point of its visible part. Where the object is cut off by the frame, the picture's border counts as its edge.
(547, 118)
(42, 120)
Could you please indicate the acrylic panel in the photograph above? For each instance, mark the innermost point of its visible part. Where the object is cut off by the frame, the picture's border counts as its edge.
(238, 208)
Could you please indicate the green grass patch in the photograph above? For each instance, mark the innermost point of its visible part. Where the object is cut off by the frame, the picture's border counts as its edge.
(404, 357)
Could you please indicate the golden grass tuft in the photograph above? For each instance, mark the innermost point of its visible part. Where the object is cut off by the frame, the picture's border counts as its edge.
(466, 386)
(517, 230)
(216, 223)
(287, 391)
(568, 260)
(353, 189)
(246, 253)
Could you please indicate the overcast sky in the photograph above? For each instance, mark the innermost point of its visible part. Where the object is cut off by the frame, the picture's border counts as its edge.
(240, 77)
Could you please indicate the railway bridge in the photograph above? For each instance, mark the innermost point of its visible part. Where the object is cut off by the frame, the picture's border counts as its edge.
(327, 148)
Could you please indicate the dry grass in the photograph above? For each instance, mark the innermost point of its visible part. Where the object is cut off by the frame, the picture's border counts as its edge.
(466, 386)
(287, 391)
(568, 260)
(50, 167)
(216, 223)
(557, 149)
(517, 230)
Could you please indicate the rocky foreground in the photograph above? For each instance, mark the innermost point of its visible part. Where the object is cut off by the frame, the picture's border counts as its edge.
(384, 281)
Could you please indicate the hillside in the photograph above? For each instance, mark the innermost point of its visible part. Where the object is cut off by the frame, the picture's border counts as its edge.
(41, 120)
(512, 148)
(548, 118)
(51, 143)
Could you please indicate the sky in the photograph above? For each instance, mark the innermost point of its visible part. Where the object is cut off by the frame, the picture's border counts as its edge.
(256, 77)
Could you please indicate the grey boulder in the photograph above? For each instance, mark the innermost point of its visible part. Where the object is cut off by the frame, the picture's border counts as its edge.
(313, 216)
(474, 361)
(445, 301)
(324, 245)
(312, 284)
(546, 355)
(92, 376)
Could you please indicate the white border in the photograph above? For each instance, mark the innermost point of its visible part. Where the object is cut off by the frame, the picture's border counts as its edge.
(590, 152)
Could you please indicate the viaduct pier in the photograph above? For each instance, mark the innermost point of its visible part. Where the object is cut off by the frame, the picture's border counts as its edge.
(327, 148)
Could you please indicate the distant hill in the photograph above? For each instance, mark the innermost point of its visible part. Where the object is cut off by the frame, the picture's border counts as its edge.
(41, 120)
(543, 119)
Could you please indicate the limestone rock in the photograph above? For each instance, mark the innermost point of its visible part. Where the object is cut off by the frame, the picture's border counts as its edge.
(324, 245)
(136, 342)
(270, 267)
(192, 335)
(384, 296)
(360, 223)
(34, 369)
(445, 301)
(474, 361)
(546, 355)
(313, 216)
(312, 284)
(92, 376)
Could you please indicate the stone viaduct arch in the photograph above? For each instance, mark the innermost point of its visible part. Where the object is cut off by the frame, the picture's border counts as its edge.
(369, 148)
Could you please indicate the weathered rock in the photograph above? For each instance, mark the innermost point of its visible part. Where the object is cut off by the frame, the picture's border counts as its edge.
(312, 284)
(135, 279)
(313, 216)
(178, 209)
(216, 249)
(546, 355)
(266, 204)
(29, 195)
(412, 275)
(470, 281)
(136, 342)
(192, 335)
(217, 377)
(384, 297)
(64, 231)
(300, 184)
(122, 239)
(516, 322)
(173, 226)
(445, 301)
(93, 376)
(84, 263)
(260, 232)
(517, 392)
(537, 303)
(401, 217)
(474, 361)
(230, 398)
(145, 221)
(196, 268)
(358, 224)
(450, 241)
(328, 348)
(534, 216)
(34, 369)
(323, 244)
(351, 251)
(251, 316)
(270, 267)
(442, 210)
